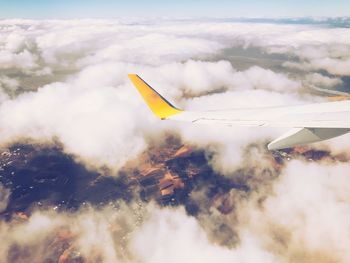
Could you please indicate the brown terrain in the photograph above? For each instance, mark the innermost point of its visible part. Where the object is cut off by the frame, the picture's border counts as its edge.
(43, 177)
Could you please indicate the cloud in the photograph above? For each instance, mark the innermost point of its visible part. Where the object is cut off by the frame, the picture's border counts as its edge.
(8, 86)
(332, 57)
(287, 216)
(22, 60)
(306, 206)
(15, 42)
(108, 125)
(77, 43)
(258, 78)
(91, 234)
(105, 116)
(4, 196)
(184, 240)
(339, 67)
(322, 81)
(88, 112)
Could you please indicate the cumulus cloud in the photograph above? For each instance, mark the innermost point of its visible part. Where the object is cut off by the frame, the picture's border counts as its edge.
(78, 43)
(8, 86)
(330, 57)
(322, 81)
(95, 235)
(69, 45)
(303, 208)
(89, 114)
(107, 125)
(338, 67)
(105, 116)
(295, 220)
(4, 195)
(184, 240)
(22, 60)
(286, 217)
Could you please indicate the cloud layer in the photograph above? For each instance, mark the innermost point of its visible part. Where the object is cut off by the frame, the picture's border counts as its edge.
(295, 221)
(66, 82)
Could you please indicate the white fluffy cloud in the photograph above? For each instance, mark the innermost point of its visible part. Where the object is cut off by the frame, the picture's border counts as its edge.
(77, 43)
(303, 216)
(95, 123)
(311, 203)
(319, 80)
(4, 195)
(105, 116)
(184, 240)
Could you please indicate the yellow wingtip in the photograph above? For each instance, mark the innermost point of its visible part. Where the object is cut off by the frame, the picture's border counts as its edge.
(158, 105)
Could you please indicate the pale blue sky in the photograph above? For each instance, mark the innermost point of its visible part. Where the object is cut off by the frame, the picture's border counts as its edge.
(174, 8)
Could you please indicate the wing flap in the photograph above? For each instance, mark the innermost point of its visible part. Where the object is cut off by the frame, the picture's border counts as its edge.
(302, 136)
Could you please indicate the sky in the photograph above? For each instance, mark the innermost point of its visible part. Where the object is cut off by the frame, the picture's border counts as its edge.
(180, 8)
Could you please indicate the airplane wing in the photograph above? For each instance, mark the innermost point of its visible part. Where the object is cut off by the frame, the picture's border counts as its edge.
(310, 123)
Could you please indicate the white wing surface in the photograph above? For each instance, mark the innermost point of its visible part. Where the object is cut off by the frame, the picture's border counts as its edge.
(310, 123)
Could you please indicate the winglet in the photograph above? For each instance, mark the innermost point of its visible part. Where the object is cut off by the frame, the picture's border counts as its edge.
(158, 105)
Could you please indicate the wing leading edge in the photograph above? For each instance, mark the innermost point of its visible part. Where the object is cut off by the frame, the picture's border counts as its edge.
(310, 123)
